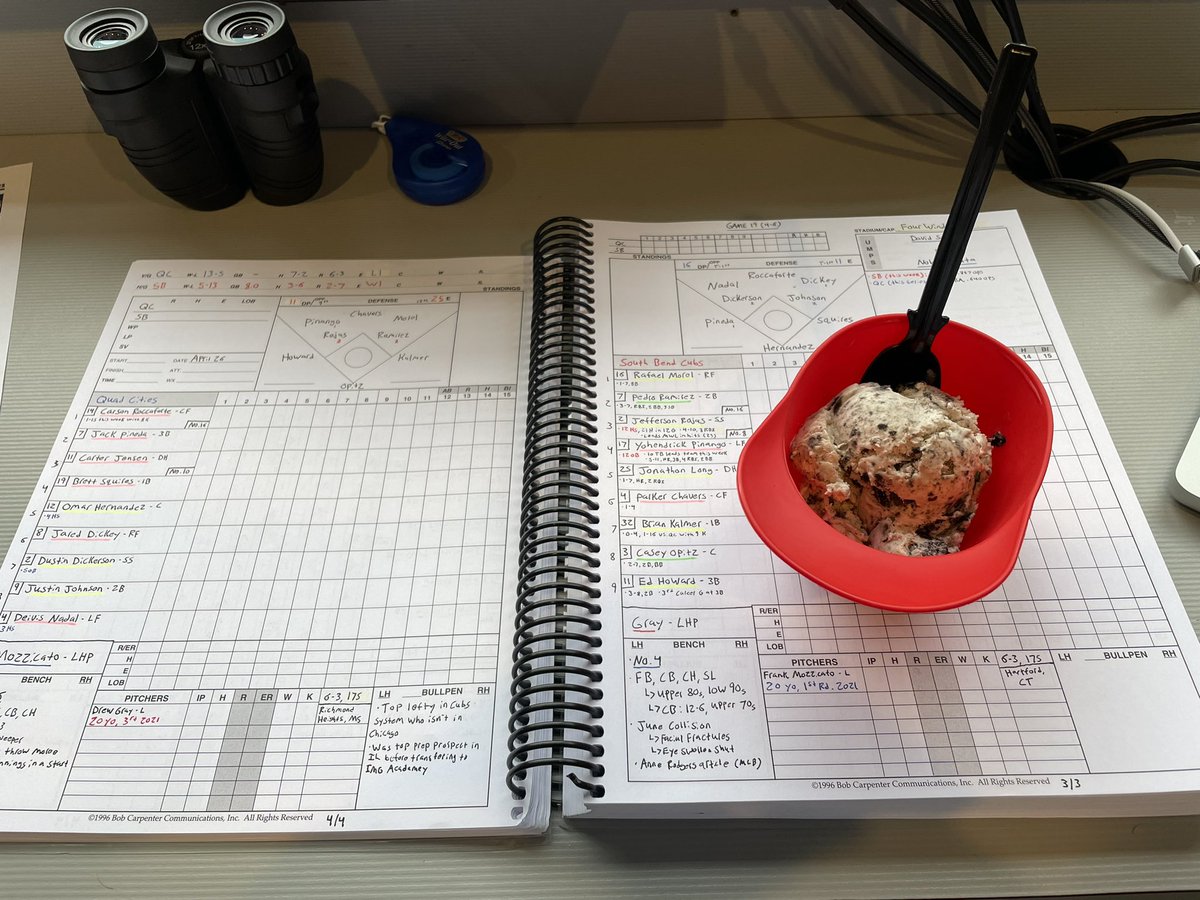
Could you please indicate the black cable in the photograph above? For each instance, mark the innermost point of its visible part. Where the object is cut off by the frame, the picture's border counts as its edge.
(1035, 122)
(982, 49)
(1130, 127)
(987, 56)
(1142, 166)
(1037, 109)
(875, 30)
(1011, 19)
(916, 67)
(1040, 133)
(952, 33)
(971, 22)
(962, 49)
(1075, 189)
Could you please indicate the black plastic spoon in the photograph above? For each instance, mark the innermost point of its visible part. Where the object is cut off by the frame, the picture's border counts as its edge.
(912, 360)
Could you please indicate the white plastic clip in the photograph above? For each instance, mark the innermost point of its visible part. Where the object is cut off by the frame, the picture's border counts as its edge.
(1189, 262)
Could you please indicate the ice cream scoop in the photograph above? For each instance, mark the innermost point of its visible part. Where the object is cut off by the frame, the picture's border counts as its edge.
(898, 470)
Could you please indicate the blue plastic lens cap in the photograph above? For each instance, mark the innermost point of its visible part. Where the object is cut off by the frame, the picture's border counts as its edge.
(432, 163)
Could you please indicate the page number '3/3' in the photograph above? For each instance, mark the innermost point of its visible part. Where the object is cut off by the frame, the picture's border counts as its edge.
(1070, 784)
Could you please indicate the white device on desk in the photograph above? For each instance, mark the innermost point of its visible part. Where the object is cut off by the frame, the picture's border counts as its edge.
(1186, 486)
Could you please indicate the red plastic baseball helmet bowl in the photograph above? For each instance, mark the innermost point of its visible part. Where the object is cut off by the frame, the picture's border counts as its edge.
(993, 382)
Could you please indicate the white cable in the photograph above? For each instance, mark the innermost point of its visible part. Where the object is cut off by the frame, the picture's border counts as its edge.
(1149, 211)
(1189, 261)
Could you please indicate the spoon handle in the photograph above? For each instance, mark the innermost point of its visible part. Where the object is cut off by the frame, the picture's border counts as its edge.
(1004, 96)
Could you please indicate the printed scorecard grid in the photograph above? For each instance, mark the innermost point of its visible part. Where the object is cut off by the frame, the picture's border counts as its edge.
(271, 602)
(285, 558)
(728, 244)
(846, 690)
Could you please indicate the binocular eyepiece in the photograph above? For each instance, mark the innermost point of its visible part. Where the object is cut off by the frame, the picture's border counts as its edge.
(202, 118)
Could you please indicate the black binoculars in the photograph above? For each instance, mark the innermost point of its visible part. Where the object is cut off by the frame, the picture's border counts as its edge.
(204, 117)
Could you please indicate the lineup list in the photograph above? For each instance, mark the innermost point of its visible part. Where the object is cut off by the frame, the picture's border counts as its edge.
(275, 655)
(720, 685)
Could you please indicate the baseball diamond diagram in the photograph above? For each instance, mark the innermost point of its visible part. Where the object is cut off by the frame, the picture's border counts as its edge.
(770, 303)
(780, 307)
(363, 346)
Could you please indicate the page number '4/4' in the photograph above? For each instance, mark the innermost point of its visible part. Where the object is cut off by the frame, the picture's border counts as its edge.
(336, 821)
(1070, 784)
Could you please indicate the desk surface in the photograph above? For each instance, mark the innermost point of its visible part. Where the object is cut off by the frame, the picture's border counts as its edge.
(1119, 294)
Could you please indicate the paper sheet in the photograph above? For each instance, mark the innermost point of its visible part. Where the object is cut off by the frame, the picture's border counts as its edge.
(14, 199)
(744, 682)
(264, 585)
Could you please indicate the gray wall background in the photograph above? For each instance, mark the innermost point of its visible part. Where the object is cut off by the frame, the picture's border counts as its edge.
(584, 61)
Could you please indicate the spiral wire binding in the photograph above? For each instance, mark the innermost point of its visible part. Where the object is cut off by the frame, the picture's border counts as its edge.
(555, 693)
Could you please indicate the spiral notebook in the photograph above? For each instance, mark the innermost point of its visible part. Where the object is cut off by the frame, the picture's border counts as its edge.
(348, 548)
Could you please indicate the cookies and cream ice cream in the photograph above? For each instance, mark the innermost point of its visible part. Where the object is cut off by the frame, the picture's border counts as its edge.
(900, 471)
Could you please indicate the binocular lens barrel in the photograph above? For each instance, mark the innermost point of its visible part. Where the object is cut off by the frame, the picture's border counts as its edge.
(108, 30)
(264, 84)
(114, 49)
(242, 23)
(151, 97)
(202, 117)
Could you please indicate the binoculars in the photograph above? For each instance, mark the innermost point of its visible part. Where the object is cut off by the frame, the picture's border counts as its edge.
(204, 117)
